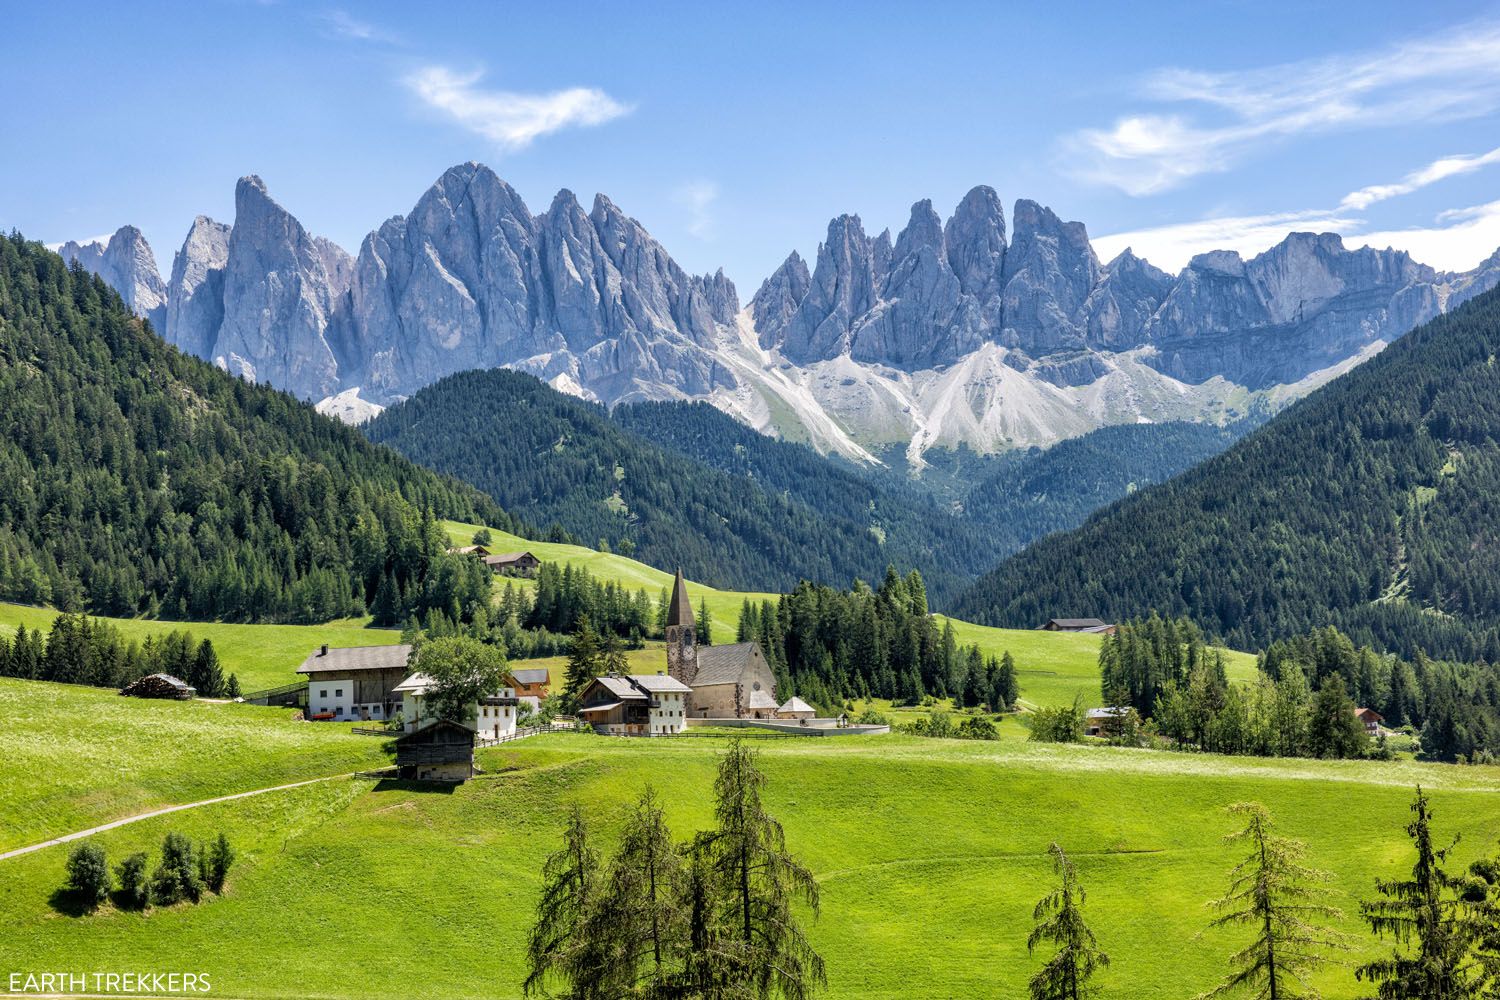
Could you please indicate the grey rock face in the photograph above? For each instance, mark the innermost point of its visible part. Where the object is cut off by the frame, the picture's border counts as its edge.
(1050, 269)
(843, 288)
(127, 265)
(281, 288)
(195, 295)
(777, 299)
(1127, 296)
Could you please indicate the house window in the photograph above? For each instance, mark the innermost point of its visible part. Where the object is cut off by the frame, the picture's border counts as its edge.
(323, 693)
(338, 692)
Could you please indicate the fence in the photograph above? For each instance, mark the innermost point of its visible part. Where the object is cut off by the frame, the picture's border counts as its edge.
(521, 734)
(287, 694)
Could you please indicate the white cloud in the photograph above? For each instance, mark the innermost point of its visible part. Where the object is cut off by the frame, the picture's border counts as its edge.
(698, 198)
(1444, 77)
(1171, 247)
(1437, 170)
(345, 25)
(1460, 238)
(511, 120)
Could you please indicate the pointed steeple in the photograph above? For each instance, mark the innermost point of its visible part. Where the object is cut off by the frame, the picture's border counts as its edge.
(680, 610)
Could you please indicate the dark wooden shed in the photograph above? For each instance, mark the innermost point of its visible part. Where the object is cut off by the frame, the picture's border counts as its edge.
(443, 751)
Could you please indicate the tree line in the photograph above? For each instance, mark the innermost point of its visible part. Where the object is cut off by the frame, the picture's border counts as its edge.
(138, 481)
(82, 650)
(1302, 703)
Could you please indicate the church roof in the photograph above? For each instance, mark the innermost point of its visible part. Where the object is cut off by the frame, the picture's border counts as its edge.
(680, 609)
(723, 664)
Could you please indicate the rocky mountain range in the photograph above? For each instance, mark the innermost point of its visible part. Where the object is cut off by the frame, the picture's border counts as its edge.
(956, 331)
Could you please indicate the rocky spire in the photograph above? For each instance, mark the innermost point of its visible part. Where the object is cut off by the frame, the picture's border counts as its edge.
(127, 265)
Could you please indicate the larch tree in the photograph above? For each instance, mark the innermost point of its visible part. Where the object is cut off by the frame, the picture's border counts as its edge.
(568, 887)
(583, 663)
(758, 882)
(1430, 924)
(1059, 921)
(1281, 901)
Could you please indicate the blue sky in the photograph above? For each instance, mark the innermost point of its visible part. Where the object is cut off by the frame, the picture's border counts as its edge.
(735, 134)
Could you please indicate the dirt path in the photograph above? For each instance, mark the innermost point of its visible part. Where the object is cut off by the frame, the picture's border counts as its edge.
(162, 812)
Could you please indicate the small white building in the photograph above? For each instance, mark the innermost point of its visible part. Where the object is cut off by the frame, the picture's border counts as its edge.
(354, 684)
(796, 708)
(493, 716)
(635, 704)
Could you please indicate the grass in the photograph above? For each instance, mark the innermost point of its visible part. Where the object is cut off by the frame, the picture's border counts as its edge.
(262, 656)
(73, 757)
(929, 853)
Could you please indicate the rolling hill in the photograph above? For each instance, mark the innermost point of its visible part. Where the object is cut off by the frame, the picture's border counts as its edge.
(1369, 505)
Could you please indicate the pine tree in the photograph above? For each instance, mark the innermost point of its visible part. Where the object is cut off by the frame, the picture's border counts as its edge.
(1279, 898)
(568, 885)
(1431, 929)
(758, 882)
(614, 660)
(583, 663)
(1007, 686)
(1059, 920)
(208, 676)
(705, 624)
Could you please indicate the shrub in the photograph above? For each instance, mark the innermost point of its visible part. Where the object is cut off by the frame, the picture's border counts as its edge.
(220, 856)
(1057, 725)
(870, 717)
(977, 727)
(88, 875)
(135, 892)
(232, 689)
(176, 877)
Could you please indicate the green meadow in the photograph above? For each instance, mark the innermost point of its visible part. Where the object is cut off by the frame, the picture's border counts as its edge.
(929, 854)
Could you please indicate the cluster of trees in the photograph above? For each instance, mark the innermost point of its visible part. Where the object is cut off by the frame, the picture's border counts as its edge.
(567, 594)
(1367, 506)
(184, 872)
(715, 917)
(1444, 926)
(135, 480)
(1303, 700)
(940, 725)
(829, 646)
(83, 650)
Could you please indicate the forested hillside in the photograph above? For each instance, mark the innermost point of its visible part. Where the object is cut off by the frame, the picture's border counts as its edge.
(137, 480)
(1370, 505)
(553, 459)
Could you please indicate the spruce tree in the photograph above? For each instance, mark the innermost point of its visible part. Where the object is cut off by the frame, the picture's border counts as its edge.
(568, 886)
(1280, 900)
(758, 882)
(1431, 928)
(1059, 920)
(583, 663)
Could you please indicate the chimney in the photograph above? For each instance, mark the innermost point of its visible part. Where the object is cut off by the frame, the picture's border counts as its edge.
(323, 650)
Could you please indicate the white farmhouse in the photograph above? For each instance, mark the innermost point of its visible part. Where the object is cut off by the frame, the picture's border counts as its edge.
(635, 704)
(493, 716)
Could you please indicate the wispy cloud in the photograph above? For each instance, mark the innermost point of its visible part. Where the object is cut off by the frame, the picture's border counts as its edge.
(1456, 240)
(1437, 170)
(1210, 121)
(511, 120)
(698, 198)
(343, 24)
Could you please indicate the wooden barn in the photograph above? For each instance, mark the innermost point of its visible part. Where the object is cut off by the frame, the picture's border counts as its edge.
(1077, 625)
(443, 751)
(355, 683)
(513, 564)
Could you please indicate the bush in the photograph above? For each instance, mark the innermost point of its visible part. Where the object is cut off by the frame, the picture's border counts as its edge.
(1057, 725)
(88, 875)
(977, 727)
(135, 890)
(870, 717)
(176, 877)
(220, 857)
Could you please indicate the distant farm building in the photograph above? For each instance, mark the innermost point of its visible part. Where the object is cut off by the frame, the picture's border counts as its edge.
(443, 751)
(1078, 625)
(469, 550)
(1370, 719)
(1099, 721)
(796, 708)
(160, 686)
(635, 704)
(727, 682)
(531, 685)
(513, 564)
(357, 682)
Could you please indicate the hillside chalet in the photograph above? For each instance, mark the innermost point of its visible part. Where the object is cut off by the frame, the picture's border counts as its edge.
(1370, 719)
(531, 685)
(469, 550)
(355, 683)
(494, 715)
(635, 704)
(727, 682)
(1093, 625)
(513, 564)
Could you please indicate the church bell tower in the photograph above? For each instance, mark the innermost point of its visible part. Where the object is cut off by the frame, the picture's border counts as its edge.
(682, 634)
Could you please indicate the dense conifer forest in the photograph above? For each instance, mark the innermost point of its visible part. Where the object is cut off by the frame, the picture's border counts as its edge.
(135, 480)
(1369, 505)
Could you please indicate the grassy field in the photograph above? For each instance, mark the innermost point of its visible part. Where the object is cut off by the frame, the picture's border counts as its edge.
(262, 656)
(73, 757)
(929, 855)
